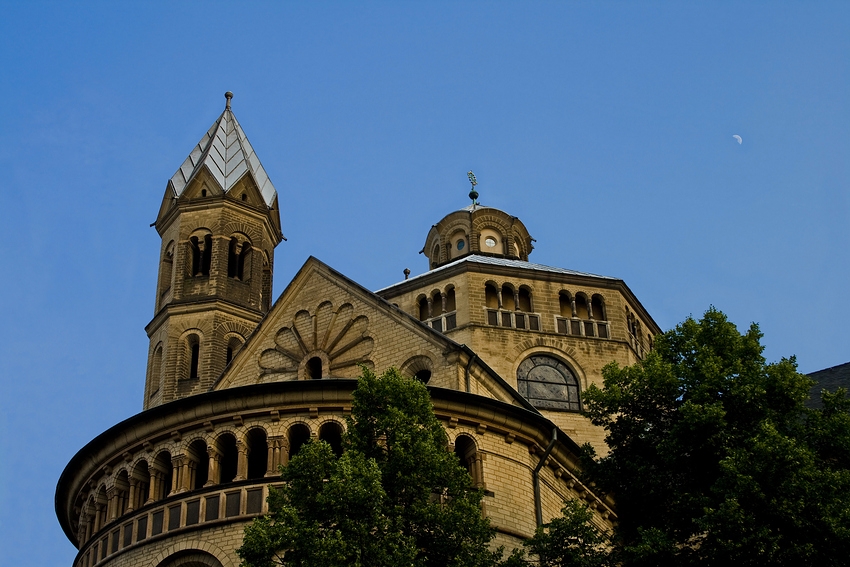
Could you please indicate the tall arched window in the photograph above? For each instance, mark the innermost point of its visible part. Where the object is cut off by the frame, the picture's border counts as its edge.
(298, 435)
(200, 254)
(469, 458)
(424, 312)
(163, 475)
(166, 270)
(192, 356)
(314, 368)
(258, 453)
(233, 345)
(548, 383)
(200, 464)
(331, 433)
(141, 477)
(229, 457)
(239, 258)
(121, 493)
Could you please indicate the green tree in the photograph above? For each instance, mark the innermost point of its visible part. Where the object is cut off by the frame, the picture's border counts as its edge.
(715, 459)
(395, 497)
(571, 540)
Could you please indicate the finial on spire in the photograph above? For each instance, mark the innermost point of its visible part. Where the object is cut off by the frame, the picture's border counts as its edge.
(473, 194)
(228, 95)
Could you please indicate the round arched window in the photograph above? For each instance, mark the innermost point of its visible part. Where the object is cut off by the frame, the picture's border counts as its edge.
(548, 383)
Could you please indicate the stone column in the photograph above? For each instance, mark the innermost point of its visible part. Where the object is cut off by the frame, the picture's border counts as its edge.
(573, 306)
(131, 500)
(176, 470)
(111, 504)
(214, 466)
(430, 307)
(443, 297)
(98, 516)
(242, 460)
(155, 492)
(516, 300)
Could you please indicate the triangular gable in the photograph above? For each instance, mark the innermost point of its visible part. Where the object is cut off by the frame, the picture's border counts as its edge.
(325, 317)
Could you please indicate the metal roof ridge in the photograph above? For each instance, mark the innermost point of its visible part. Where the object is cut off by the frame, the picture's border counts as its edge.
(226, 120)
(493, 261)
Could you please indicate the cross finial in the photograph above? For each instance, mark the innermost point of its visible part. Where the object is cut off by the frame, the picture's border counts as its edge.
(228, 95)
(473, 194)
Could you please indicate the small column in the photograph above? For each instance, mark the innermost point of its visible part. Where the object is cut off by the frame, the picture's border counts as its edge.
(131, 500)
(573, 306)
(443, 297)
(189, 470)
(98, 516)
(214, 466)
(284, 452)
(176, 470)
(516, 300)
(499, 297)
(430, 307)
(242, 460)
(155, 492)
(111, 504)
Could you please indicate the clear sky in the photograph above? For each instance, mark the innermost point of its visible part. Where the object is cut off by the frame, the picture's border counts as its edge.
(606, 127)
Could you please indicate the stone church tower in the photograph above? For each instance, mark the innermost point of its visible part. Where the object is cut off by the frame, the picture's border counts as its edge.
(219, 222)
(236, 385)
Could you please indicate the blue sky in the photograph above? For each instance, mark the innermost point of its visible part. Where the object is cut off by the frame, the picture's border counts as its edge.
(606, 127)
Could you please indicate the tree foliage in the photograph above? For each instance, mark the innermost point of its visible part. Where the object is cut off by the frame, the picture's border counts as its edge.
(571, 540)
(395, 497)
(715, 459)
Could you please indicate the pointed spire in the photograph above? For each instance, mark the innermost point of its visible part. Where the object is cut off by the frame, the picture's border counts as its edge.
(227, 154)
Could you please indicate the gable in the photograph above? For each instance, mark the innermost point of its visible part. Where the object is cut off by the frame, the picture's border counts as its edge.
(325, 323)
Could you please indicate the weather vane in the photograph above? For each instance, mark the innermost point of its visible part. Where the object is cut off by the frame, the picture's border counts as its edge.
(473, 194)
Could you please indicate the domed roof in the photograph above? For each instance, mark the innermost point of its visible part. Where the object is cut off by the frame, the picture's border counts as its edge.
(477, 229)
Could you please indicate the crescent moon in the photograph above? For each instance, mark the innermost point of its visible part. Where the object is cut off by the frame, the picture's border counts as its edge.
(737, 137)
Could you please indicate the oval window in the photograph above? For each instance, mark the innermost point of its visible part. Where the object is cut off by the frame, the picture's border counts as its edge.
(460, 244)
(490, 242)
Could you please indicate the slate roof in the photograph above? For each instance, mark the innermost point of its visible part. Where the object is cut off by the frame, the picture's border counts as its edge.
(828, 379)
(228, 155)
(494, 261)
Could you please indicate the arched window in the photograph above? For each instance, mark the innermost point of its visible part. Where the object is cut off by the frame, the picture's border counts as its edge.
(200, 464)
(491, 296)
(467, 454)
(258, 453)
(192, 357)
(239, 258)
(122, 493)
(163, 475)
(581, 306)
(525, 300)
(423, 375)
(597, 304)
(331, 433)
(298, 435)
(508, 303)
(166, 270)
(424, 312)
(565, 303)
(314, 368)
(451, 303)
(200, 254)
(141, 477)
(436, 304)
(229, 457)
(548, 383)
(233, 345)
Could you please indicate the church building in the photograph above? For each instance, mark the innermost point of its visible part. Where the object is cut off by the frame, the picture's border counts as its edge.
(236, 383)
